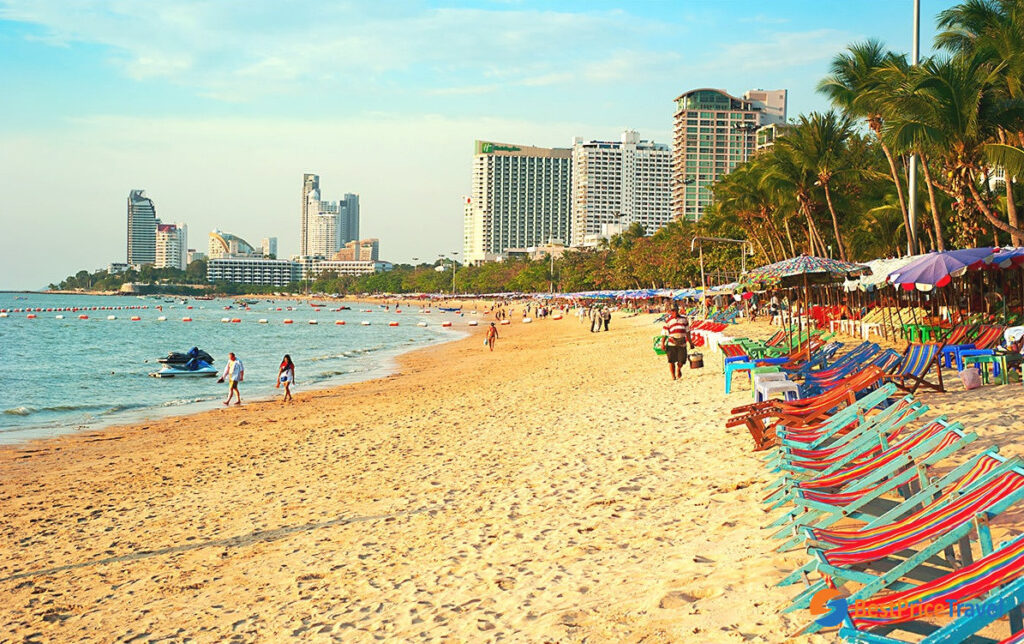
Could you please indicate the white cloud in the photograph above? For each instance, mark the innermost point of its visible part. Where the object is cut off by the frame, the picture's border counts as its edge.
(243, 49)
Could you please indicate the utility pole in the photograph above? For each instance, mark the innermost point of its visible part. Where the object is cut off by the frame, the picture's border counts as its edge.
(912, 184)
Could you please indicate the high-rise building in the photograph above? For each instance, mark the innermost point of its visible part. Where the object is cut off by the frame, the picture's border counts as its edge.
(326, 225)
(141, 228)
(269, 246)
(310, 184)
(520, 198)
(323, 228)
(348, 219)
(715, 132)
(194, 255)
(619, 183)
(171, 246)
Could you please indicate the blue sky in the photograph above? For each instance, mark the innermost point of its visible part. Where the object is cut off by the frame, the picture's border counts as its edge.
(218, 108)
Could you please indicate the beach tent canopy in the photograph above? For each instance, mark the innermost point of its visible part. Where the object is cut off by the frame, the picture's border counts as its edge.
(880, 270)
(791, 271)
(939, 268)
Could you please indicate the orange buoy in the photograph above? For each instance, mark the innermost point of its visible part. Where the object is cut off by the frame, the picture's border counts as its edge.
(236, 320)
(186, 319)
(340, 322)
(392, 323)
(135, 318)
(83, 317)
(288, 322)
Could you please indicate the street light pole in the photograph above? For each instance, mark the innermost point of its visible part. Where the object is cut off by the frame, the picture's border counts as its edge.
(453, 273)
(912, 184)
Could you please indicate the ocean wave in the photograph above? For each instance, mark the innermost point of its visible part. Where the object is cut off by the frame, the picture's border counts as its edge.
(25, 410)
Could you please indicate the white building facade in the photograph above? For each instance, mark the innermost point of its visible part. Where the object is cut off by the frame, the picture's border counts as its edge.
(252, 270)
(171, 246)
(618, 183)
(520, 197)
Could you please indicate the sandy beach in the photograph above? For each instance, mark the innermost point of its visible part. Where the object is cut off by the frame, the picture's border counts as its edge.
(561, 489)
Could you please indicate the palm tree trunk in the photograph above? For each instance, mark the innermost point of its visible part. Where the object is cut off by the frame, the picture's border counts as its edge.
(835, 221)
(1011, 210)
(936, 220)
(1011, 207)
(989, 215)
(789, 236)
(899, 187)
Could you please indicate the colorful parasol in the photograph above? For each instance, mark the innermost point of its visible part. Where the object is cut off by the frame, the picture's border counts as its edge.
(806, 265)
(938, 269)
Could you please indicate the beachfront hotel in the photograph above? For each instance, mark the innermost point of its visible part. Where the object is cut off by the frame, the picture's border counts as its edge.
(618, 183)
(326, 225)
(252, 270)
(520, 197)
(171, 246)
(141, 228)
(714, 133)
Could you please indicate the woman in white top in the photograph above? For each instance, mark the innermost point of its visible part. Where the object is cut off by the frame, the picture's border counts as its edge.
(286, 376)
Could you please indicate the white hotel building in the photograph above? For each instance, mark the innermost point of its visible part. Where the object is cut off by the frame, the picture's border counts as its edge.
(618, 183)
(519, 199)
(171, 246)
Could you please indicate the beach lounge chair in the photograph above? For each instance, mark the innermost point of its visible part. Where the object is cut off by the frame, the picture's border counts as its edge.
(802, 412)
(992, 586)
(879, 557)
(917, 362)
(847, 493)
(989, 337)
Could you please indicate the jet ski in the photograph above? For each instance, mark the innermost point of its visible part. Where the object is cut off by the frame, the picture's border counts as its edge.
(195, 363)
(176, 359)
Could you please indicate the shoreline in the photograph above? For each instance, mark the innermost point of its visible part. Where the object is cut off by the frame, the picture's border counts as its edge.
(388, 365)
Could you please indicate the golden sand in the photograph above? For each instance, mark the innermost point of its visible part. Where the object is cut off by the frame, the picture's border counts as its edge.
(561, 488)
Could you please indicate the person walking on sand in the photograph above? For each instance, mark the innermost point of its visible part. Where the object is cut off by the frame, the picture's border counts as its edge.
(234, 372)
(606, 317)
(675, 338)
(492, 335)
(286, 376)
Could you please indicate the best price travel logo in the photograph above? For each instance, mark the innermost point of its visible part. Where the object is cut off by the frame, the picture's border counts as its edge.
(830, 603)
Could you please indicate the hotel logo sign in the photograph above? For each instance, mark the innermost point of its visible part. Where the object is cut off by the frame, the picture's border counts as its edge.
(486, 147)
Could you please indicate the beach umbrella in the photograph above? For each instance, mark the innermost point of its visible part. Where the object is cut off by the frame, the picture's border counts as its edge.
(805, 266)
(939, 268)
(1005, 258)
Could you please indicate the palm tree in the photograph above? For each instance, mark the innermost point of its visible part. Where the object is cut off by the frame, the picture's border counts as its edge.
(955, 107)
(992, 31)
(786, 173)
(855, 85)
(819, 144)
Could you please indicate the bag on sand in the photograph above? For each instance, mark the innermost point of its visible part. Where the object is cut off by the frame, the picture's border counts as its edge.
(971, 378)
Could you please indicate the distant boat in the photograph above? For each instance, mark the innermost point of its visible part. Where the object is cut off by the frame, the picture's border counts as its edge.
(449, 310)
(317, 304)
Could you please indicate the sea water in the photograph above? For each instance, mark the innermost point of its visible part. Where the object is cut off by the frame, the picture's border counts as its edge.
(64, 375)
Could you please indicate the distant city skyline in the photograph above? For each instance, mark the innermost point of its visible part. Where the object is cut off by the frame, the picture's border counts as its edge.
(203, 111)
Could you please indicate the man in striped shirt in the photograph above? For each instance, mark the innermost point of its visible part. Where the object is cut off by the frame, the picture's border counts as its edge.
(675, 338)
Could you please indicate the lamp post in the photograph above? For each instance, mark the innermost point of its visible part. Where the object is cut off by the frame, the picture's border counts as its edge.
(912, 183)
(453, 273)
(700, 249)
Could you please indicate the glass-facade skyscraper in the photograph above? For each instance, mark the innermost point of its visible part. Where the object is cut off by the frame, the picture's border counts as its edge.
(141, 228)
